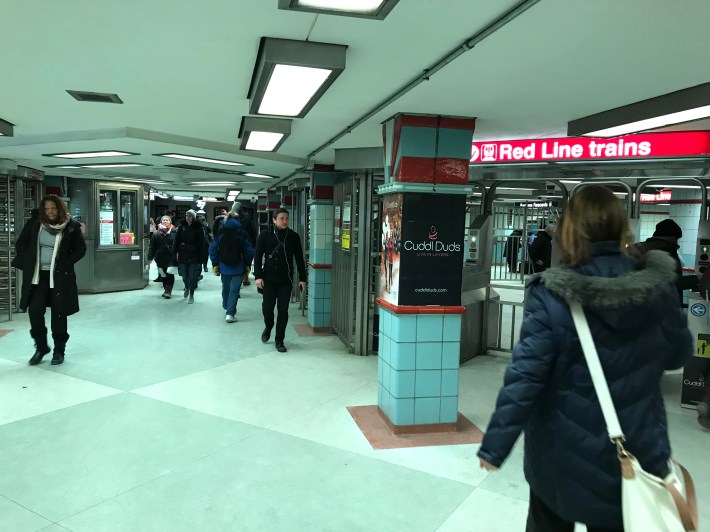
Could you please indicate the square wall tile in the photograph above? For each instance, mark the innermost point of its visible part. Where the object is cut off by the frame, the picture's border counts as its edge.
(386, 375)
(429, 327)
(450, 382)
(403, 355)
(452, 328)
(427, 410)
(428, 355)
(451, 355)
(449, 410)
(402, 384)
(427, 383)
(402, 411)
(386, 348)
(380, 369)
(404, 328)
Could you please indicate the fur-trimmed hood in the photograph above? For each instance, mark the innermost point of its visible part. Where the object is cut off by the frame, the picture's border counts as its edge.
(656, 268)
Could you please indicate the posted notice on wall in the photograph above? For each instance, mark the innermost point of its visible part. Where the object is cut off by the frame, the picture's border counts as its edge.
(346, 240)
(106, 228)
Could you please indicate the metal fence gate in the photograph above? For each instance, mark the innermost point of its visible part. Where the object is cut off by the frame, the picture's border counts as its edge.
(356, 262)
(17, 199)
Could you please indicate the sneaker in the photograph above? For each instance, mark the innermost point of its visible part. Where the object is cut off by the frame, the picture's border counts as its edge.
(266, 335)
(158, 280)
(230, 319)
(280, 347)
(704, 415)
(190, 300)
(185, 293)
(166, 294)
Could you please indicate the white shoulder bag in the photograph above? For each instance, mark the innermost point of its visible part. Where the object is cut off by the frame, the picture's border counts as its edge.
(649, 503)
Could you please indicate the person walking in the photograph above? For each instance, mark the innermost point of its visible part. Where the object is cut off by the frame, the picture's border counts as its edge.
(540, 251)
(276, 249)
(161, 250)
(230, 251)
(208, 235)
(46, 252)
(250, 228)
(191, 252)
(639, 331)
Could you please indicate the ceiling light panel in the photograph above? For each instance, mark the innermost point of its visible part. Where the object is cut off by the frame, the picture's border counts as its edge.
(263, 134)
(112, 165)
(262, 176)
(677, 107)
(262, 141)
(290, 76)
(201, 159)
(6, 128)
(372, 9)
(89, 154)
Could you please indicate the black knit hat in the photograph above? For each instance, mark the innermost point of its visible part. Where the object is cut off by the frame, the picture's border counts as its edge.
(668, 228)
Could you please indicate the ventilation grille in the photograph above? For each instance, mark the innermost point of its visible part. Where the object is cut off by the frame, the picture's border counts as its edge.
(98, 97)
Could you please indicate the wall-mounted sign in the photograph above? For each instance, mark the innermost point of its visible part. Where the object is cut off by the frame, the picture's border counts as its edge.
(663, 195)
(642, 146)
(106, 228)
(336, 229)
(346, 240)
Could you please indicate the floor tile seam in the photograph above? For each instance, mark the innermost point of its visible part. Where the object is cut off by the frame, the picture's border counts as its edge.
(73, 377)
(50, 520)
(157, 477)
(473, 490)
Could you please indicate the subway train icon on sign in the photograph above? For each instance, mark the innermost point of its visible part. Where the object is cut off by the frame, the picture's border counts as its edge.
(698, 310)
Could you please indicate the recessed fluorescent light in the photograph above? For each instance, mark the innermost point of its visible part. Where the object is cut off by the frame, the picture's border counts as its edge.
(259, 175)
(516, 188)
(290, 89)
(674, 186)
(653, 123)
(664, 204)
(183, 198)
(202, 159)
(88, 154)
(570, 181)
(108, 165)
(263, 141)
(353, 6)
(211, 183)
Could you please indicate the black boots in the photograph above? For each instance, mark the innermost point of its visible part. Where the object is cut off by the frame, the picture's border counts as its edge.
(39, 354)
(266, 335)
(60, 343)
(280, 347)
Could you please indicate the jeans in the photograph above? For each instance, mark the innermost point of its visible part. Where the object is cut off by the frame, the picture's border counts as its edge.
(541, 518)
(189, 274)
(41, 297)
(278, 294)
(231, 285)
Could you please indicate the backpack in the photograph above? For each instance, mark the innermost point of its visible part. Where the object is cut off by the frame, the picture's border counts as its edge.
(230, 246)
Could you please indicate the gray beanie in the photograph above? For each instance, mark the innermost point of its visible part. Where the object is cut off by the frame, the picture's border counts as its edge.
(191, 213)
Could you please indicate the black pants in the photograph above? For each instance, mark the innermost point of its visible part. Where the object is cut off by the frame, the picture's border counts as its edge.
(168, 281)
(278, 294)
(542, 519)
(41, 297)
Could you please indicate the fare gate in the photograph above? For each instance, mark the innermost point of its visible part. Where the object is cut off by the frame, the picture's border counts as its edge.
(356, 261)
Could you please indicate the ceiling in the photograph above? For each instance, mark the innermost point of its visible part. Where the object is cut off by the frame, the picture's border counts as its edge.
(183, 70)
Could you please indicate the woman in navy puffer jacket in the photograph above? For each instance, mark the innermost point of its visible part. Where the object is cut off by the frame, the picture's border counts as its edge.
(639, 331)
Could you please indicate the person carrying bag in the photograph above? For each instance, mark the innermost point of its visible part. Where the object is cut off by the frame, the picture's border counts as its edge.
(649, 503)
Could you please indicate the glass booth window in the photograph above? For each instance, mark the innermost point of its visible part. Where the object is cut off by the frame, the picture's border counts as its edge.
(127, 235)
(107, 217)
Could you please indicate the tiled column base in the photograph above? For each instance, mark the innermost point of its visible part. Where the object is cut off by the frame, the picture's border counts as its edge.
(418, 367)
(319, 298)
(320, 293)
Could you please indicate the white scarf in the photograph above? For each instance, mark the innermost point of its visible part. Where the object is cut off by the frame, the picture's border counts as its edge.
(57, 241)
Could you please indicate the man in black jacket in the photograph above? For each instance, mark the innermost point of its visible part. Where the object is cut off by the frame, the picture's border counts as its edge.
(540, 251)
(273, 270)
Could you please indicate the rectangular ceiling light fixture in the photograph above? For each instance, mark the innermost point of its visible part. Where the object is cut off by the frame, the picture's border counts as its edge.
(263, 134)
(261, 176)
(6, 128)
(97, 165)
(372, 9)
(201, 159)
(233, 194)
(669, 109)
(89, 154)
(290, 76)
(211, 183)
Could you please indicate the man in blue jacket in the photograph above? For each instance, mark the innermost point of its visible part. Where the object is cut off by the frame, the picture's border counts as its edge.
(229, 252)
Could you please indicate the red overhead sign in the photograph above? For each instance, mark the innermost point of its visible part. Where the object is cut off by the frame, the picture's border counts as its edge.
(644, 146)
(663, 195)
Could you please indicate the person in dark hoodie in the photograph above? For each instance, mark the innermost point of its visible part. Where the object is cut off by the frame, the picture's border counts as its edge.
(665, 238)
(191, 252)
(46, 252)
(540, 251)
(639, 331)
(276, 248)
(230, 251)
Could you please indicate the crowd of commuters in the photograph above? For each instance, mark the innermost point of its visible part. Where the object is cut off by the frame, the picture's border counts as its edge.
(629, 293)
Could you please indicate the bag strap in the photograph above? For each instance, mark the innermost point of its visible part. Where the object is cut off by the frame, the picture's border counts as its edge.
(688, 507)
(595, 369)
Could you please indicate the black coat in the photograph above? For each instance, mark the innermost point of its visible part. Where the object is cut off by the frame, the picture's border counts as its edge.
(267, 243)
(541, 250)
(191, 243)
(71, 249)
(683, 282)
(161, 249)
(639, 331)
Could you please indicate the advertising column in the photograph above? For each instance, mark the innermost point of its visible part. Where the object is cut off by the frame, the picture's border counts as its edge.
(422, 234)
(320, 262)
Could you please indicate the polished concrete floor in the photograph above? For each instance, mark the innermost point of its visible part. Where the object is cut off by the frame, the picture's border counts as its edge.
(166, 418)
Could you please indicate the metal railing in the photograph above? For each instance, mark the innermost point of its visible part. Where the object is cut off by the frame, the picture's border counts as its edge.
(507, 333)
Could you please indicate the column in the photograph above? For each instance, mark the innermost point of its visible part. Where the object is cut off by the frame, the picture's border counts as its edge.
(422, 237)
(321, 248)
